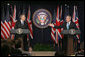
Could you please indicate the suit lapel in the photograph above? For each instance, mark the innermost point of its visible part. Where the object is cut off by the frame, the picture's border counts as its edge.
(70, 25)
(65, 25)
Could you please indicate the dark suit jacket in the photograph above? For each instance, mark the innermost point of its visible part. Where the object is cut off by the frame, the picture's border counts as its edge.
(65, 38)
(19, 25)
(71, 26)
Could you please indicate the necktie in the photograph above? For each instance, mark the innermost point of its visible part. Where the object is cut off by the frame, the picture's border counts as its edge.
(67, 25)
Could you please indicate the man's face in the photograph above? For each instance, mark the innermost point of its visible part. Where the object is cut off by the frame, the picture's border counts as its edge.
(68, 18)
(23, 17)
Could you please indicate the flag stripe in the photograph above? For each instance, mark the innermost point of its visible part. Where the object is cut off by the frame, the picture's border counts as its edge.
(75, 19)
(8, 27)
(14, 15)
(9, 23)
(29, 23)
(30, 29)
(53, 34)
(73, 15)
(58, 30)
(2, 34)
(53, 37)
(13, 21)
(4, 30)
(56, 37)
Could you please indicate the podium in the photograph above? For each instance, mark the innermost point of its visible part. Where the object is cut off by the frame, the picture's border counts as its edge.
(19, 31)
(70, 33)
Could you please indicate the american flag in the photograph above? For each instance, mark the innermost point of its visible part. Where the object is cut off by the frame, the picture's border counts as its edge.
(5, 24)
(30, 24)
(76, 19)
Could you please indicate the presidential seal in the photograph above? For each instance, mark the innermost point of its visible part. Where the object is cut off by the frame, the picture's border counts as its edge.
(41, 18)
(19, 31)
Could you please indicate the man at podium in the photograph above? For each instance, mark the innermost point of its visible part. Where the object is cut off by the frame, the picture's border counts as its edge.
(67, 25)
(23, 25)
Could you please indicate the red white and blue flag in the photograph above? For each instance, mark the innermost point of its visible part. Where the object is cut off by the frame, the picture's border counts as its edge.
(53, 30)
(60, 16)
(61, 19)
(13, 19)
(5, 25)
(58, 35)
(76, 19)
(55, 33)
(30, 24)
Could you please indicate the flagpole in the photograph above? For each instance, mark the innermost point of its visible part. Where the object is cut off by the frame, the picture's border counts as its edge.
(42, 35)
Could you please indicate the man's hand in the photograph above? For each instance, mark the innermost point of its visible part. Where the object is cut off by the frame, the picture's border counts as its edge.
(78, 41)
(51, 25)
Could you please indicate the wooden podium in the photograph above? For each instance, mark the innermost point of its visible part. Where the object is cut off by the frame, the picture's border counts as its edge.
(70, 33)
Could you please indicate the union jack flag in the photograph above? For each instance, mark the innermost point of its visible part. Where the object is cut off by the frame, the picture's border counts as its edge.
(29, 23)
(54, 31)
(13, 19)
(76, 19)
(58, 35)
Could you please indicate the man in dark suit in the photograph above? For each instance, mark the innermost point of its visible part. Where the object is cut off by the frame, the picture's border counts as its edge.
(67, 25)
(23, 25)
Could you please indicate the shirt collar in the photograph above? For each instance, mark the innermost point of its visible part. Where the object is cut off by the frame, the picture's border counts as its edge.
(69, 22)
(21, 21)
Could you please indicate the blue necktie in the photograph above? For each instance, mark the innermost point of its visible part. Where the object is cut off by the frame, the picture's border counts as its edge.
(67, 25)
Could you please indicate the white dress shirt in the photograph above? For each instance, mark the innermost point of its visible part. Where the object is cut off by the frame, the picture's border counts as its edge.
(22, 22)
